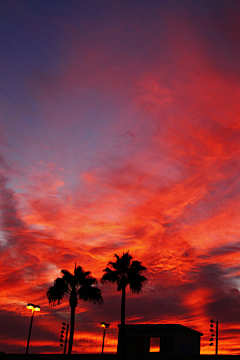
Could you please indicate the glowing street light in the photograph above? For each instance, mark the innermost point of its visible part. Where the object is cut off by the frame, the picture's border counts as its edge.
(105, 326)
(33, 308)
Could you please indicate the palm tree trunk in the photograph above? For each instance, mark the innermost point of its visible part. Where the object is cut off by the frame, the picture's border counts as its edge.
(73, 304)
(123, 322)
(71, 330)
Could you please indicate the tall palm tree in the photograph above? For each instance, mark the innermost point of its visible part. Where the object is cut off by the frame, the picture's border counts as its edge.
(80, 286)
(125, 272)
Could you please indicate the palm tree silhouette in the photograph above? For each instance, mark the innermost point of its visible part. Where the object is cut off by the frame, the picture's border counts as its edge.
(125, 272)
(80, 285)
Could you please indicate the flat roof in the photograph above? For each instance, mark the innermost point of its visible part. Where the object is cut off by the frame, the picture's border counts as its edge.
(160, 327)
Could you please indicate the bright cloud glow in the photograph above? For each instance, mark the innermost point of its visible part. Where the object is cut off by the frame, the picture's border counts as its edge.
(120, 131)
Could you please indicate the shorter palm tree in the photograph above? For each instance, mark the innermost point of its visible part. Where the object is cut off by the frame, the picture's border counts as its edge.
(125, 272)
(80, 286)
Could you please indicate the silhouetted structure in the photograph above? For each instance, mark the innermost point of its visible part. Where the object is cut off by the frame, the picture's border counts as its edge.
(212, 330)
(64, 330)
(80, 286)
(125, 272)
(165, 339)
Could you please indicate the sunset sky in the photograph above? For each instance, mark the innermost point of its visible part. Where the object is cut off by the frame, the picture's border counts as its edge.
(120, 131)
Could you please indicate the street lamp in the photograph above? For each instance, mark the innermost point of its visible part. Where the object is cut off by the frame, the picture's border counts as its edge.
(105, 326)
(33, 308)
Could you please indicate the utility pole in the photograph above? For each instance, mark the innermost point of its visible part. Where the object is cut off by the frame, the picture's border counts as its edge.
(62, 336)
(213, 335)
(216, 352)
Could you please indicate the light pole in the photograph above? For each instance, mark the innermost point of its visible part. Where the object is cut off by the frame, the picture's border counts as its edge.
(33, 308)
(105, 326)
(62, 336)
(212, 335)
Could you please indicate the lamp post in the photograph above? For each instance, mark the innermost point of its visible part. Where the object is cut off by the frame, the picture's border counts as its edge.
(33, 308)
(105, 326)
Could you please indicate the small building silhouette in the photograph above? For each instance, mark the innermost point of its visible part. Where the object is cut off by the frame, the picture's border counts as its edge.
(160, 338)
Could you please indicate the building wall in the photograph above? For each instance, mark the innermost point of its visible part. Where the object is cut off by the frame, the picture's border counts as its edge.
(174, 339)
(187, 342)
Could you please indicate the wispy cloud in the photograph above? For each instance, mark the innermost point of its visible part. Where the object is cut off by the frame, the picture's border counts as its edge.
(121, 132)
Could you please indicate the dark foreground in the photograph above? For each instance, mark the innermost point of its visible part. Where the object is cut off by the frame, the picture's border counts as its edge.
(111, 357)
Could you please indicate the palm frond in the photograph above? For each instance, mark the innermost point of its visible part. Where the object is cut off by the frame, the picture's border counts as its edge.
(84, 278)
(90, 293)
(122, 282)
(80, 284)
(136, 283)
(135, 278)
(113, 264)
(138, 266)
(126, 258)
(124, 272)
(122, 263)
(68, 277)
(90, 281)
(57, 291)
(80, 274)
(110, 276)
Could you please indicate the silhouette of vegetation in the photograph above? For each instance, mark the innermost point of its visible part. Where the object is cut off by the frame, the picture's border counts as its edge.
(80, 286)
(125, 272)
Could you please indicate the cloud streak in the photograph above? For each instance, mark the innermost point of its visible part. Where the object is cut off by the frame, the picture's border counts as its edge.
(121, 133)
